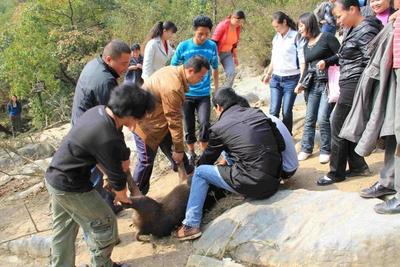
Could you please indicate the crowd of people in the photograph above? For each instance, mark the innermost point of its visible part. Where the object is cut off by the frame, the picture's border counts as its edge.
(166, 91)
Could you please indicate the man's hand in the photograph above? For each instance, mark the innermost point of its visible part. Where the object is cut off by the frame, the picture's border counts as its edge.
(122, 197)
(125, 165)
(139, 66)
(177, 157)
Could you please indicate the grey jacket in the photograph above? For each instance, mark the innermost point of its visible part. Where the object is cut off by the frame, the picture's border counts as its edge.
(155, 57)
(372, 112)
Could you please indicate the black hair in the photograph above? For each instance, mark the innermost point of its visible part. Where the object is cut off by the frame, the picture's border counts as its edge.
(310, 23)
(197, 62)
(202, 21)
(242, 101)
(348, 3)
(159, 28)
(135, 46)
(280, 17)
(239, 14)
(225, 98)
(129, 100)
(115, 49)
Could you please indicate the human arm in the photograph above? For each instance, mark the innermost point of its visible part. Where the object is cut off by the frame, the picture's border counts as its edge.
(214, 66)
(218, 33)
(213, 151)
(268, 73)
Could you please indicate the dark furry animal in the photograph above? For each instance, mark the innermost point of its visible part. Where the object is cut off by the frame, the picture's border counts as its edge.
(160, 218)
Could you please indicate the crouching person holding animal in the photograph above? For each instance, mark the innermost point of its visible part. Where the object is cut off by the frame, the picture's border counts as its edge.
(96, 138)
(254, 146)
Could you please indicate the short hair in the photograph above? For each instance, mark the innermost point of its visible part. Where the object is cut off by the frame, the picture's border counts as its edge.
(239, 14)
(135, 46)
(197, 62)
(129, 100)
(242, 101)
(202, 21)
(310, 23)
(115, 49)
(348, 3)
(225, 98)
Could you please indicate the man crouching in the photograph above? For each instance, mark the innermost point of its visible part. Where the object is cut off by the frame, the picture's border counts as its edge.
(96, 138)
(253, 145)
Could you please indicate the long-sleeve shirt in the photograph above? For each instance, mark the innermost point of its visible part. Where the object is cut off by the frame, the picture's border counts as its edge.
(396, 44)
(14, 110)
(94, 139)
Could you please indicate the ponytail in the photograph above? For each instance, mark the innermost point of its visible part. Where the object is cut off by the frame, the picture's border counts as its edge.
(280, 17)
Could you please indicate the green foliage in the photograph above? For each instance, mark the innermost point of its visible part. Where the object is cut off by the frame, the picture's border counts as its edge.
(51, 40)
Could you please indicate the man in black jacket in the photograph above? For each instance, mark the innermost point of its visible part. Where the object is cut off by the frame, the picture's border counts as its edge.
(96, 138)
(254, 146)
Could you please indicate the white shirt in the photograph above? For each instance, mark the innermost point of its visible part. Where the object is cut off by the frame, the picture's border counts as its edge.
(287, 54)
(289, 155)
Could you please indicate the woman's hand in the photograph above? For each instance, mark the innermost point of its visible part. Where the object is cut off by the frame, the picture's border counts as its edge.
(299, 89)
(321, 64)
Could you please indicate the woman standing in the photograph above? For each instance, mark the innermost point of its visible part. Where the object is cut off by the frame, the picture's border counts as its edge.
(318, 46)
(14, 112)
(227, 35)
(352, 58)
(283, 73)
(157, 49)
(381, 9)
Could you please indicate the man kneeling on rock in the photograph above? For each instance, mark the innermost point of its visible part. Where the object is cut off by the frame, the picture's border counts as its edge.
(96, 138)
(254, 145)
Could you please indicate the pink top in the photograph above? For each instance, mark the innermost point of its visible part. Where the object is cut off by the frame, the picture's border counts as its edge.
(384, 16)
(396, 44)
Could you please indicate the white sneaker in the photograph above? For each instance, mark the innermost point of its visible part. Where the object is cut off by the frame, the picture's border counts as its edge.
(303, 155)
(324, 158)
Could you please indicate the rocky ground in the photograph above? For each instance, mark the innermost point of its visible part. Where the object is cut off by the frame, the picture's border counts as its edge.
(24, 204)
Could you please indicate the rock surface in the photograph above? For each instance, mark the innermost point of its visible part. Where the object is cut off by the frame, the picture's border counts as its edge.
(305, 228)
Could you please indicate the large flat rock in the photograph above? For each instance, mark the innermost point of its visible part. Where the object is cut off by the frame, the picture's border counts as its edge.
(305, 228)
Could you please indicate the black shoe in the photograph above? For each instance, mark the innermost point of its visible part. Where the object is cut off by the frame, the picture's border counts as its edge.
(327, 180)
(365, 172)
(391, 206)
(376, 190)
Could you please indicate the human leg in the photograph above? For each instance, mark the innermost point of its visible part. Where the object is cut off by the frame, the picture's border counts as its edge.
(144, 165)
(229, 68)
(289, 96)
(276, 96)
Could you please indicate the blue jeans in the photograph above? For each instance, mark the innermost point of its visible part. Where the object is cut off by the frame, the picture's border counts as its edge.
(328, 28)
(203, 176)
(282, 88)
(318, 110)
(227, 62)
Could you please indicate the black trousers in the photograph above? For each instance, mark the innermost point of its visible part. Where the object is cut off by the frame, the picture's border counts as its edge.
(200, 105)
(342, 150)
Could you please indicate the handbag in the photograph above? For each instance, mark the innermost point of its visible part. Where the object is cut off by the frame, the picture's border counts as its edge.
(333, 83)
(308, 80)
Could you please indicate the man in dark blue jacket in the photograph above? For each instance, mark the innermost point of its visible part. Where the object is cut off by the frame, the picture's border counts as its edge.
(254, 146)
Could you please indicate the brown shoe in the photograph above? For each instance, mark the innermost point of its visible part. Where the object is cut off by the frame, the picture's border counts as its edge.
(187, 233)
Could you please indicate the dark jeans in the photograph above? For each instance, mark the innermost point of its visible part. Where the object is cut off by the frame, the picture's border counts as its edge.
(201, 105)
(282, 88)
(318, 109)
(145, 161)
(342, 150)
(15, 124)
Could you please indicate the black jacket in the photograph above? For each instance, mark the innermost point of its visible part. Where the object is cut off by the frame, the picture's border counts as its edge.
(94, 86)
(353, 54)
(248, 136)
